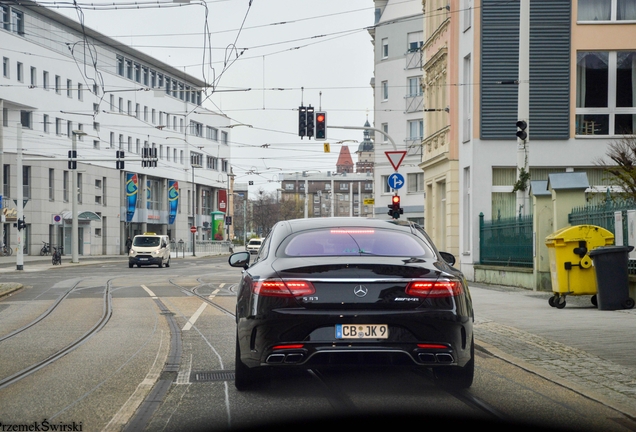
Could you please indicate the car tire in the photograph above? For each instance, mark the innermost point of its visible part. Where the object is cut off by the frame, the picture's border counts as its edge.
(130, 265)
(168, 263)
(160, 265)
(244, 377)
(456, 377)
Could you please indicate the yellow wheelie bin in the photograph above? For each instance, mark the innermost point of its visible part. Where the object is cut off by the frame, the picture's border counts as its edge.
(571, 269)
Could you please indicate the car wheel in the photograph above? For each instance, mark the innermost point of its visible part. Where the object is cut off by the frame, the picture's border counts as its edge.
(130, 265)
(168, 263)
(456, 377)
(160, 265)
(244, 377)
(629, 303)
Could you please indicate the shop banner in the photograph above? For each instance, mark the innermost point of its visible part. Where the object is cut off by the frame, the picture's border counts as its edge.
(223, 200)
(132, 187)
(148, 194)
(173, 200)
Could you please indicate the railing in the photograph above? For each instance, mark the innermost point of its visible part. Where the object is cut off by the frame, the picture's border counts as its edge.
(203, 247)
(506, 242)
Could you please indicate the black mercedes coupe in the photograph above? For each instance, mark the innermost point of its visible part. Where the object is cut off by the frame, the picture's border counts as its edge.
(340, 292)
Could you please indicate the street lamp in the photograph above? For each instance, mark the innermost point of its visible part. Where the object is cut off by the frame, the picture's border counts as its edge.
(74, 228)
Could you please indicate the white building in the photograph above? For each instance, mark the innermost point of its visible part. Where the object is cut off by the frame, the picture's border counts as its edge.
(60, 79)
(398, 38)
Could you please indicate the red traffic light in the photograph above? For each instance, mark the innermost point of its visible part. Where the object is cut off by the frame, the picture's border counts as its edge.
(320, 117)
(396, 200)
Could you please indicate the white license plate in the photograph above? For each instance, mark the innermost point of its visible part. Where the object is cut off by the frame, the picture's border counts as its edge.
(362, 331)
(143, 259)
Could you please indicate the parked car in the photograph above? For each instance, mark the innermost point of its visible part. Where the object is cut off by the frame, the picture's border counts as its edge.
(254, 245)
(334, 292)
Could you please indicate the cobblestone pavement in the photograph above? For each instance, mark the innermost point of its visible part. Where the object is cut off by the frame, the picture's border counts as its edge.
(531, 343)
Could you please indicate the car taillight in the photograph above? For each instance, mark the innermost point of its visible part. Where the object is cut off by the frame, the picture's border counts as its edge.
(438, 288)
(280, 288)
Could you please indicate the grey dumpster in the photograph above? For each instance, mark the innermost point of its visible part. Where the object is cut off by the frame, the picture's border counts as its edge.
(612, 277)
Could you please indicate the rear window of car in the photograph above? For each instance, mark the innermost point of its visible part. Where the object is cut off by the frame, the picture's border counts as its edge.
(146, 241)
(357, 241)
(254, 243)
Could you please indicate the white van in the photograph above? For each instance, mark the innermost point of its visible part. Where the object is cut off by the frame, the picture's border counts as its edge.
(149, 249)
(254, 245)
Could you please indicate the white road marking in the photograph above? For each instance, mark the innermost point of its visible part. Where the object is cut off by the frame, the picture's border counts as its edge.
(194, 317)
(214, 293)
(152, 295)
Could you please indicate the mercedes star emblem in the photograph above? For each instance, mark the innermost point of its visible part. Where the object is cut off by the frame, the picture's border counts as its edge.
(360, 291)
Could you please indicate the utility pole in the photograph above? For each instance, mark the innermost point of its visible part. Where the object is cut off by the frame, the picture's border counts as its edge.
(523, 101)
(19, 263)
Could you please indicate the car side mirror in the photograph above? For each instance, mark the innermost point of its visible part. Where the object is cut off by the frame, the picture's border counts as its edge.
(448, 257)
(239, 259)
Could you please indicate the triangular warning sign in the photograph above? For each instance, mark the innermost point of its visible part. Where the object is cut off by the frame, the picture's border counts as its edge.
(395, 157)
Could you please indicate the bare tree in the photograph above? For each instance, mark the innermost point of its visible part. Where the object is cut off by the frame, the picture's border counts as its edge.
(623, 170)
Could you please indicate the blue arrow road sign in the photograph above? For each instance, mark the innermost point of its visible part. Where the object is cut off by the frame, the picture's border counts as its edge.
(396, 181)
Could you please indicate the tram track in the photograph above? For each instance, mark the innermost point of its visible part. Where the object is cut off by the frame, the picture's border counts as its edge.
(105, 317)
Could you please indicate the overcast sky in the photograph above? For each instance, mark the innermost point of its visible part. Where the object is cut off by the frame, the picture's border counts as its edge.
(274, 48)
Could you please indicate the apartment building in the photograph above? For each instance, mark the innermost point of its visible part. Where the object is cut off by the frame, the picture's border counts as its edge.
(63, 82)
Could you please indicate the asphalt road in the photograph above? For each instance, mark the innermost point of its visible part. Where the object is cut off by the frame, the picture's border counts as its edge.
(164, 360)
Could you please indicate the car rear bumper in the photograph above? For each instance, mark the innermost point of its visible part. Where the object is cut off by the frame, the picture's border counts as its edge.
(427, 340)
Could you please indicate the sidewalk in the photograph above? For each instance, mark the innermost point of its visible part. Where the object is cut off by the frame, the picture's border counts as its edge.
(588, 350)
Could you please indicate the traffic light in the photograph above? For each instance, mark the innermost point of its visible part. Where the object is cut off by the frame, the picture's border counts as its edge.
(310, 121)
(149, 157)
(521, 130)
(72, 159)
(21, 224)
(394, 208)
(120, 160)
(302, 121)
(321, 125)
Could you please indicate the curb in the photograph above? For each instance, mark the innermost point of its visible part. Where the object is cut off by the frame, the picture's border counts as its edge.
(8, 288)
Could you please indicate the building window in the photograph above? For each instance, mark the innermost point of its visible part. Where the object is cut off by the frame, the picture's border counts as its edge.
(223, 137)
(415, 182)
(196, 129)
(45, 121)
(416, 129)
(385, 90)
(58, 126)
(17, 22)
(51, 184)
(19, 71)
(69, 88)
(120, 65)
(58, 84)
(26, 182)
(45, 80)
(65, 187)
(25, 119)
(385, 48)
(415, 41)
(414, 87)
(5, 67)
(606, 10)
(96, 144)
(606, 93)
(80, 91)
(6, 180)
(34, 77)
(211, 133)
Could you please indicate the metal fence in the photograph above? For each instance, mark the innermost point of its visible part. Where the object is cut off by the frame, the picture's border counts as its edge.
(604, 215)
(506, 241)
